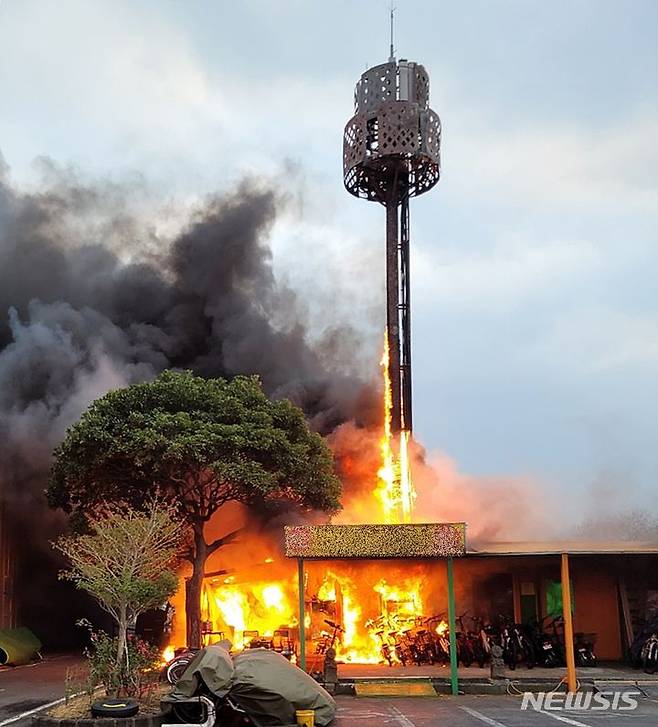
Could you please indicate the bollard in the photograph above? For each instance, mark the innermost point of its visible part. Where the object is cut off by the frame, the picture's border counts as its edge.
(305, 717)
(330, 670)
(497, 663)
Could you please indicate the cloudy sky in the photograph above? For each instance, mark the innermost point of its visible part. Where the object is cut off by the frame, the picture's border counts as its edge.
(535, 258)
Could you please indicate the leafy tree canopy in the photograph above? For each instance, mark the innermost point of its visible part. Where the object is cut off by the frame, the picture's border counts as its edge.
(199, 442)
(127, 562)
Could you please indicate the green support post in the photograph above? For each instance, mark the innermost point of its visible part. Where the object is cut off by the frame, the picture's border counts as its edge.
(454, 678)
(302, 615)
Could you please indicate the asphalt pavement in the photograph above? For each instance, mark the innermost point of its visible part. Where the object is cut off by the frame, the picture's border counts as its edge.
(25, 689)
(473, 711)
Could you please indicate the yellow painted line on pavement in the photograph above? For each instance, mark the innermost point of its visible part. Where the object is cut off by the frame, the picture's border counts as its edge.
(395, 689)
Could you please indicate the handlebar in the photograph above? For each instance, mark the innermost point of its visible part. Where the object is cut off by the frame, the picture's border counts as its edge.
(333, 625)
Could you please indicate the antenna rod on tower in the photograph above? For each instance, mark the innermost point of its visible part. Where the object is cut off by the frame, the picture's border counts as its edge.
(392, 54)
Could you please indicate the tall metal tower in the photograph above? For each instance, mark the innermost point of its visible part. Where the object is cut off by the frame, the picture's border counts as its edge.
(391, 152)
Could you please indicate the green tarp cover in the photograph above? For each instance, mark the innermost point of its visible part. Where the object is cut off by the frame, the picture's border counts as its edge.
(213, 667)
(264, 683)
(263, 670)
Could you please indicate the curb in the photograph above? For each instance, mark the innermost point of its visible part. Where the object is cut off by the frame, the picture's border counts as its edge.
(145, 720)
(442, 686)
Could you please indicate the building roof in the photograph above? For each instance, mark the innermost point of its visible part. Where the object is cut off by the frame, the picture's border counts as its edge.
(556, 547)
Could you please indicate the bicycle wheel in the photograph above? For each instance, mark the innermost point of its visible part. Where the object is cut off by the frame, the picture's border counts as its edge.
(175, 670)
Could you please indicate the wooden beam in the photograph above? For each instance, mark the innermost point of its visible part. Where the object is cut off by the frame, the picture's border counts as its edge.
(302, 615)
(452, 625)
(626, 611)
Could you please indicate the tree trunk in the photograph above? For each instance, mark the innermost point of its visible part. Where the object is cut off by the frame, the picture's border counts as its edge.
(193, 588)
(121, 646)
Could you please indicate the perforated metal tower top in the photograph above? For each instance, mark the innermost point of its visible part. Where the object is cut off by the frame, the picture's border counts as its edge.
(391, 146)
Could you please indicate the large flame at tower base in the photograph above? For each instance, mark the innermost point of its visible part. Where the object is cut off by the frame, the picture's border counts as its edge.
(395, 491)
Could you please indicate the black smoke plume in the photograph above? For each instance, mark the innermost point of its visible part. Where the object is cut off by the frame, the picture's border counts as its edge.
(92, 297)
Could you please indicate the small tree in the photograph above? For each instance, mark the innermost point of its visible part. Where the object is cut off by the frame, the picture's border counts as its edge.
(199, 443)
(126, 563)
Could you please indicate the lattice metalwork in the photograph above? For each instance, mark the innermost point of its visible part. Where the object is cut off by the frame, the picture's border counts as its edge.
(377, 85)
(376, 542)
(422, 87)
(389, 135)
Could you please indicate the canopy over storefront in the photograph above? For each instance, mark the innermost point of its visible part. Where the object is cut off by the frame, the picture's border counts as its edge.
(379, 542)
(558, 547)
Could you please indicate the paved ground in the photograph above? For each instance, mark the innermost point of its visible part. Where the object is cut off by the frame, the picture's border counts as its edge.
(469, 711)
(25, 688)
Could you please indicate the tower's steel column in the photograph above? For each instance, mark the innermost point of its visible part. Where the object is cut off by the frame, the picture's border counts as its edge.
(393, 313)
(405, 318)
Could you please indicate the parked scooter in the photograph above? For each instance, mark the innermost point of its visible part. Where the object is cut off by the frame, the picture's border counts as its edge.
(387, 648)
(485, 635)
(516, 647)
(328, 640)
(649, 654)
(642, 649)
(546, 648)
(584, 649)
(441, 640)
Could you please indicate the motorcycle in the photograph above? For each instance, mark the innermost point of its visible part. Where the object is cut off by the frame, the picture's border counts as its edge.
(508, 644)
(465, 643)
(643, 635)
(516, 646)
(328, 641)
(485, 634)
(649, 654)
(479, 652)
(584, 650)
(387, 649)
(546, 651)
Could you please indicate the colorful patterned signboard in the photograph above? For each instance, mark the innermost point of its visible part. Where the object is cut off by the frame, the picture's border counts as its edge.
(327, 542)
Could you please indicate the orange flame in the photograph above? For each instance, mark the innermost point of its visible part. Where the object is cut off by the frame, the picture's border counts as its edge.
(167, 655)
(395, 490)
(262, 606)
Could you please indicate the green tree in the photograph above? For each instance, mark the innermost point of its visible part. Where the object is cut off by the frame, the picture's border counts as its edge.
(126, 562)
(198, 443)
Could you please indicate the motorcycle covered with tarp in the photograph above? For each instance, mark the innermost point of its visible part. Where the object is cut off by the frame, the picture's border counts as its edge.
(261, 685)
